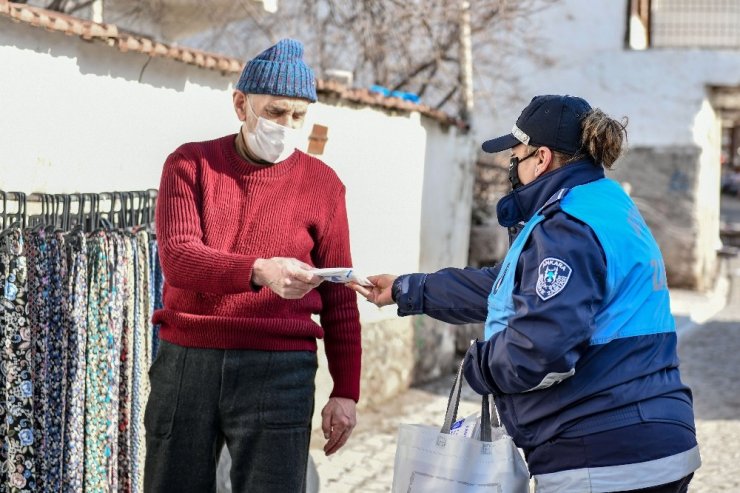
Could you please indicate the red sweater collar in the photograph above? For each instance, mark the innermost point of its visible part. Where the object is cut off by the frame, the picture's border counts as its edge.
(246, 167)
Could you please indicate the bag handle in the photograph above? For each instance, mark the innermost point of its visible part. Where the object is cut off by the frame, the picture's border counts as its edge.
(453, 403)
(485, 421)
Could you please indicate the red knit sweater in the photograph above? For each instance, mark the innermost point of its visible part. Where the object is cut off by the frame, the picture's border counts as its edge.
(216, 214)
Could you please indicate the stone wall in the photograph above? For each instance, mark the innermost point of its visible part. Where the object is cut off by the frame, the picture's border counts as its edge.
(433, 348)
(665, 185)
(387, 364)
(387, 360)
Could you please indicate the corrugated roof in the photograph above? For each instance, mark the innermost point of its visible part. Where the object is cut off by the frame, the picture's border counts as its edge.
(124, 41)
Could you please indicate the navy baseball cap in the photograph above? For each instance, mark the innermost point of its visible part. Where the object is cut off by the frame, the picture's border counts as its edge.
(551, 121)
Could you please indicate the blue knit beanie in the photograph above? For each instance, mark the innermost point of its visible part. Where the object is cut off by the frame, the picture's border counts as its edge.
(279, 71)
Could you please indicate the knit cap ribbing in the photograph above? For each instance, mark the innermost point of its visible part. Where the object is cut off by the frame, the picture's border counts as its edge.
(279, 71)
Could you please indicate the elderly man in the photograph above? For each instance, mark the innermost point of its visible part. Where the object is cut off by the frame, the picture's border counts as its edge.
(241, 220)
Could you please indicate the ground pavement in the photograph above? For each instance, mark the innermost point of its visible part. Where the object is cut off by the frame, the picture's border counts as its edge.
(710, 365)
(709, 348)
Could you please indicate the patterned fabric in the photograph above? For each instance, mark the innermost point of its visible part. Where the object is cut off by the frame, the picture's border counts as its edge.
(4, 366)
(142, 358)
(39, 319)
(126, 370)
(19, 447)
(155, 290)
(117, 261)
(76, 321)
(98, 367)
(56, 360)
(76, 343)
(137, 472)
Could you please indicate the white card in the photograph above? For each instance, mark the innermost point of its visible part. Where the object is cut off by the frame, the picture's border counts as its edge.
(341, 275)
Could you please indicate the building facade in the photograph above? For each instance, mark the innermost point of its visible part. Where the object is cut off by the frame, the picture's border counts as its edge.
(672, 68)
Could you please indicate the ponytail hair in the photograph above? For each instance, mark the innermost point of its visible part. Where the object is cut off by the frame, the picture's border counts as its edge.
(603, 138)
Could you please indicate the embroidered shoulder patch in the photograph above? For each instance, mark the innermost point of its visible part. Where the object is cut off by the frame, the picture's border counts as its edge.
(553, 276)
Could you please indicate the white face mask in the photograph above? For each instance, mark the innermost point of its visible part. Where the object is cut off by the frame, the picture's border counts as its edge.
(271, 141)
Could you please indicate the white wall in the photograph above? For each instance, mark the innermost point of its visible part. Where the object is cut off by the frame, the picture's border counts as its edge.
(447, 198)
(660, 90)
(74, 118)
(380, 159)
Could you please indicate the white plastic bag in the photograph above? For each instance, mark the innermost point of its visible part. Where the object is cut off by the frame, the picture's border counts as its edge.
(432, 461)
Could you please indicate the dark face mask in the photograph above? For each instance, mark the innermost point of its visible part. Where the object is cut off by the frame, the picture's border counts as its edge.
(514, 169)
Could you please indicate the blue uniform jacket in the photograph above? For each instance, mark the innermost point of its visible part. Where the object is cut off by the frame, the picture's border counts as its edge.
(625, 383)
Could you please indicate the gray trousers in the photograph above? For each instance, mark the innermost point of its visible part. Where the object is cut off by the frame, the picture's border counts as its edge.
(259, 403)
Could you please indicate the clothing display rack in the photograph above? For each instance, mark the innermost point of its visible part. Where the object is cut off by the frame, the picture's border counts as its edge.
(84, 210)
(79, 280)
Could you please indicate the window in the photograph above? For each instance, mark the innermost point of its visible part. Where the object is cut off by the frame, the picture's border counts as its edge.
(684, 24)
(639, 24)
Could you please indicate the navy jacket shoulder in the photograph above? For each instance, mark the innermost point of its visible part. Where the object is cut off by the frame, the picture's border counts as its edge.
(546, 336)
(460, 296)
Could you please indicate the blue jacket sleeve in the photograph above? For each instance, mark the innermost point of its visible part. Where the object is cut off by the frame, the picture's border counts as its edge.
(545, 337)
(456, 296)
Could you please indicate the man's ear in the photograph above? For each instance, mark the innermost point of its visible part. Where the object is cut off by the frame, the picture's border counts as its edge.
(240, 107)
(545, 161)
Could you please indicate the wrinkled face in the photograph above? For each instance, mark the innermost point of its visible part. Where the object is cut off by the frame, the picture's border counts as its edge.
(288, 112)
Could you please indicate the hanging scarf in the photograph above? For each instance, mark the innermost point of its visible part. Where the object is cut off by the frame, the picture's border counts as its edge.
(76, 344)
(39, 316)
(76, 323)
(142, 358)
(19, 466)
(155, 290)
(126, 369)
(98, 366)
(56, 360)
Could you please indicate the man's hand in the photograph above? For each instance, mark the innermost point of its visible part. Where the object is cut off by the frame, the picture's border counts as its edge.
(380, 292)
(287, 277)
(338, 421)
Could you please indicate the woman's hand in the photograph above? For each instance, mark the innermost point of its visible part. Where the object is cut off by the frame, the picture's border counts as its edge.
(380, 292)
